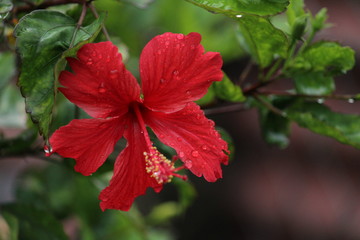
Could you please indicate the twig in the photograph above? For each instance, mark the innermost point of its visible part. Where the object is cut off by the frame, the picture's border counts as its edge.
(269, 106)
(95, 13)
(225, 109)
(347, 97)
(245, 72)
(78, 25)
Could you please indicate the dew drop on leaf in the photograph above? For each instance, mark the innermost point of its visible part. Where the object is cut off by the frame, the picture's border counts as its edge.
(351, 100)
(320, 101)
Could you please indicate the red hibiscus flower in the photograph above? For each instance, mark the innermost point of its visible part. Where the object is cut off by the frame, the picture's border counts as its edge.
(174, 72)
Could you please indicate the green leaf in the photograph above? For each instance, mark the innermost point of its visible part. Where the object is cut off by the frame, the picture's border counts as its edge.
(320, 119)
(227, 90)
(7, 68)
(35, 223)
(263, 41)
(5, 7)
(329, 57)
(319, 21)
(313, 83)
(42, 37)
(314, 68)
(275, 129)
(239, 7)
(295, 10)
(13, 225)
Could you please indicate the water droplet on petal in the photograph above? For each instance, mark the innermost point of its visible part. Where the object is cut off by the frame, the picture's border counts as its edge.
(89, 61)
(93, 54)
(181, 154)
(176, 72)
(113, 74)
(101, 90)
(167, 43)
(48, 150)
(161, 136)
(188, 163)
(180, 36)
(195, 153)
(159, 52)
(204, 147)
(192, 46)
(198, 116)
(179, 139)
(107, 59)
(177, 45)
(188, 93)
(162, 81)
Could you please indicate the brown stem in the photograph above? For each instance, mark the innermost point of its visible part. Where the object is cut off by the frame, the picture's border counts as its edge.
(245, 72)
(225, 109)
(332, 96)
(95, 13)
(269, 105)
(78, 24)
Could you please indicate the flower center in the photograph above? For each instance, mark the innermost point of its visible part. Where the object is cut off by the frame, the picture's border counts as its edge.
(157, 165)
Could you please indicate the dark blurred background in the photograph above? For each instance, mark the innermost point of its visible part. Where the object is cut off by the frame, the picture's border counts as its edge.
(310, 190)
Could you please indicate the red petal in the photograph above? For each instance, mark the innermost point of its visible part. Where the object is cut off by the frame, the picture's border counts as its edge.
(88, 141)
(100, 84)
(174, 71)
(194, 138)
(130, 178)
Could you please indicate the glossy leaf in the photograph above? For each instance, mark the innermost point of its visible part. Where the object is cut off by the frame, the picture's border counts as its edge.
(314, 68)
(35, 223)
(329, 57)
(275, 129)
(313, 83)
(238, 7)
(263, 41)
(295, 10)
(42, 37)
(228, 91)
(320, 119)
